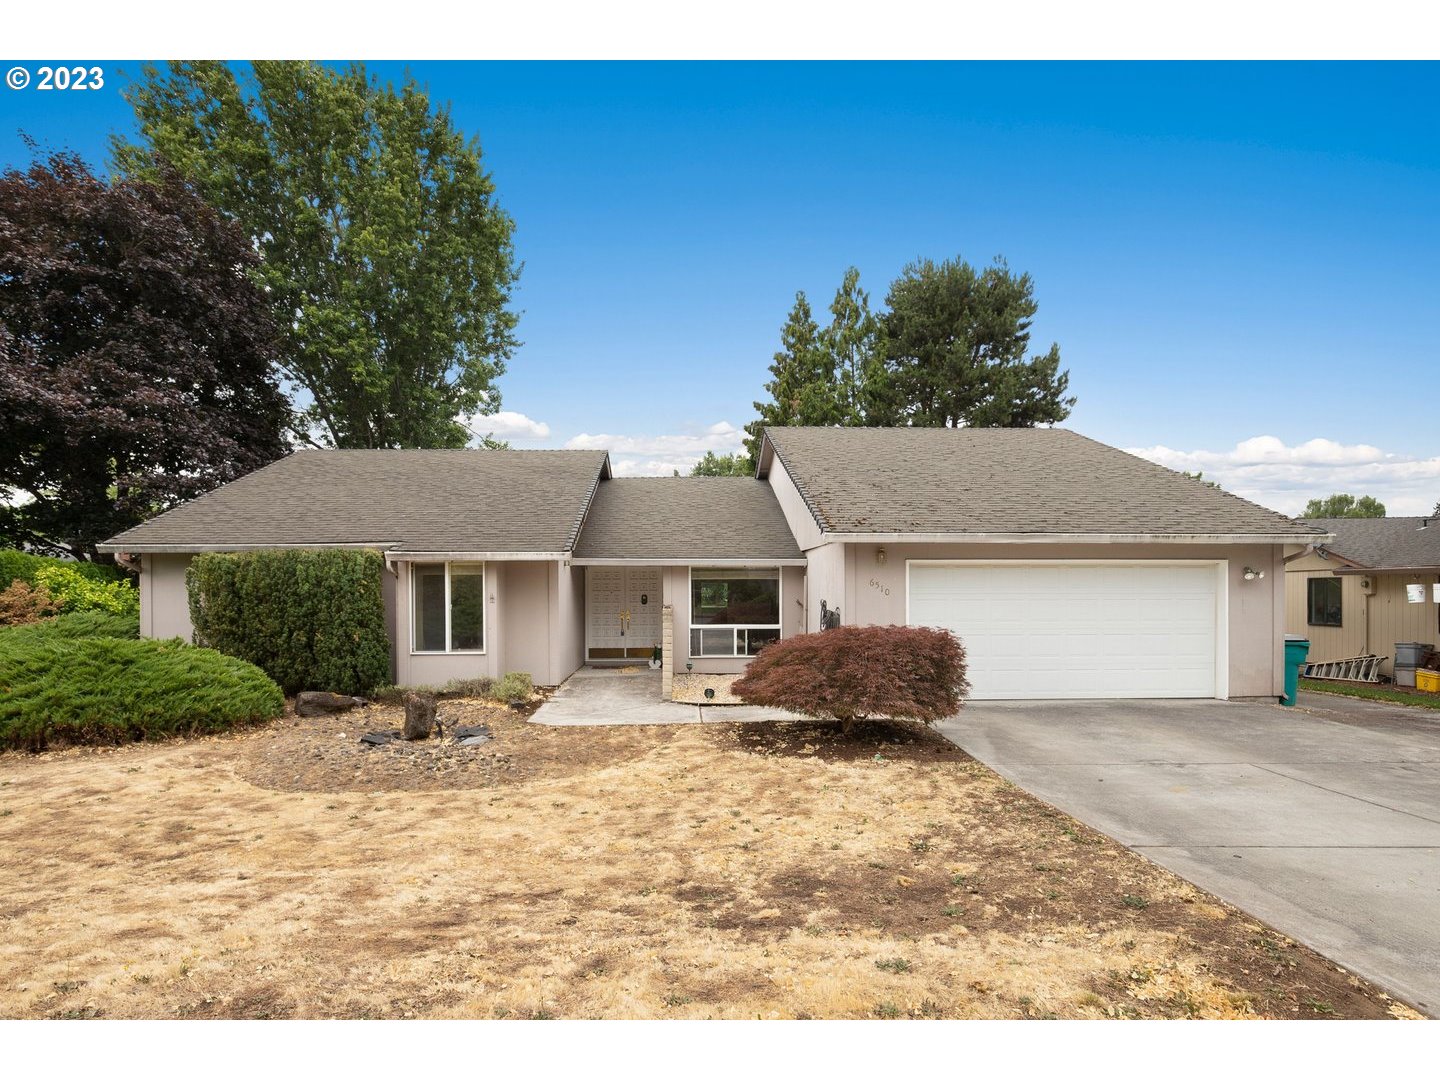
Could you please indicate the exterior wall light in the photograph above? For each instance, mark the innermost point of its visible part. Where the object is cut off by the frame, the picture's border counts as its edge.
(880, 556)
(1251, 574)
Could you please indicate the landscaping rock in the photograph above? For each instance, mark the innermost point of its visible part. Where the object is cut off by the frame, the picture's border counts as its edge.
(419, 716)
(475, 740)
(323, 703)
(379, 738)
(462, 733)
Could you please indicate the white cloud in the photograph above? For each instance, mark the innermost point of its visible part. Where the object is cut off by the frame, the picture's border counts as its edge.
(506, 425)
(660, 455)
(1265, 470)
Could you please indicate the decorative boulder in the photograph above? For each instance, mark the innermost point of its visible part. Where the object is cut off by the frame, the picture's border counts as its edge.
(419, 716)
(322, 703)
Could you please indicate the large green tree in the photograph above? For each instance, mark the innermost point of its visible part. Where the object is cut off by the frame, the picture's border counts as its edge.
(956, 340)
(1341, 505)
(388, 262)
(135, 354)
(713, 464)
(860, 381)
(802, 379)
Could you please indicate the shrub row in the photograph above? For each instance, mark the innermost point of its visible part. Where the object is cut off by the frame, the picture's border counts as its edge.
(23, 566)
(80, 624)
(59, 689)
(311, 620)
(512, 689)
(35, 587)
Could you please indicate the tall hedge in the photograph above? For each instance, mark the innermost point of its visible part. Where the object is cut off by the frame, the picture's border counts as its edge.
(311, 620)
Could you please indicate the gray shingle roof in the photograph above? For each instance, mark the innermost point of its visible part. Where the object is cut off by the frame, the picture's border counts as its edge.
(408, 500)
(687, 518)
(1378, 543)
(1003, 481)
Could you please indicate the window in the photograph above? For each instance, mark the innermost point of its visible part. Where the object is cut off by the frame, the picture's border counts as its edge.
(448, 601)
(1324, 601)
(733, 612)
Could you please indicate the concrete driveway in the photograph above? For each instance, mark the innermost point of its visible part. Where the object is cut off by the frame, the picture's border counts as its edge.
(1323, 820)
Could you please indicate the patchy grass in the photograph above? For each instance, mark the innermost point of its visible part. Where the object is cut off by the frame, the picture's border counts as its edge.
(1418, 698)
(690, 871)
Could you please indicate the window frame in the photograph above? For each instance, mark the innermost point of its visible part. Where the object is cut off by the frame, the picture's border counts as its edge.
(734, 628)
(1339, 585)
(484, 617)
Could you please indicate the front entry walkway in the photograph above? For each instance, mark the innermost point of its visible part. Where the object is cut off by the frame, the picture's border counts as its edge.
(1325, 825)
(597, 696)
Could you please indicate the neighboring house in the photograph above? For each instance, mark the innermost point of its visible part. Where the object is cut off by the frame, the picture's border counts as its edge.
(1348, 595)
(1070, 569)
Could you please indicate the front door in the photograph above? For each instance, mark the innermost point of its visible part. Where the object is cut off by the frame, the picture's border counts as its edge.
(622, 612)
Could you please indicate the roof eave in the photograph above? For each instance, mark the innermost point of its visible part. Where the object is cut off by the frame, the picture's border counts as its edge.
(1367, 570)
(1068, 538)
(143, 547)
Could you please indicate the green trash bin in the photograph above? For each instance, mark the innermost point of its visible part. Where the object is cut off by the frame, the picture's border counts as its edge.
(1296, 649)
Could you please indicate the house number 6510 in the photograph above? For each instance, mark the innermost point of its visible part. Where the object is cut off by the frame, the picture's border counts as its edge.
(876, 583)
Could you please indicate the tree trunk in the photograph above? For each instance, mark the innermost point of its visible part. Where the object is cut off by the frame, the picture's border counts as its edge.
(419, 716)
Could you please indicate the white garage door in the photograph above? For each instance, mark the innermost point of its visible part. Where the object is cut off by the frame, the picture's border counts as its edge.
(1075, 630)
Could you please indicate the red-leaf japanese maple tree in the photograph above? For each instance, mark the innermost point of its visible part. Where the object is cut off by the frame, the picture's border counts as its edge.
(855, 672)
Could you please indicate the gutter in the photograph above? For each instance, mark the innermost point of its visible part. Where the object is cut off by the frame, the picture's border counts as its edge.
(1346, 571)
(1070, 538)
(663, 560)
(145, 548)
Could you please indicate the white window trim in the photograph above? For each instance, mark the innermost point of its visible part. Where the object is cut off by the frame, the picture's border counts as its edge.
(484, 623)
(691, 625)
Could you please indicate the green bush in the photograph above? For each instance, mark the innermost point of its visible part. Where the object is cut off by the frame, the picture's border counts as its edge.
(311, 620)
(110, 690)
(480, 686)
(23, 566)
(513, 688)
(80, 624)
(75, 590)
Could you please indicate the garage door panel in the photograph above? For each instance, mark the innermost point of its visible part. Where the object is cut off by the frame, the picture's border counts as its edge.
(1129, 630)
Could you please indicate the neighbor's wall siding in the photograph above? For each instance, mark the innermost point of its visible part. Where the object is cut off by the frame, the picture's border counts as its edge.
(1368, 624)
(164, 600)
(875, 594)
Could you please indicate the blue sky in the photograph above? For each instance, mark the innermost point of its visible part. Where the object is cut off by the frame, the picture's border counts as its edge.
(1239, 262)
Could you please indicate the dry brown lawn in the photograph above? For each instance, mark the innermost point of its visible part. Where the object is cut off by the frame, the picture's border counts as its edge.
(716, 871)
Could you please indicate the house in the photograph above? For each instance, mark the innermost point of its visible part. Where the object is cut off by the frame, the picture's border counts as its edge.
(1069, 568)
(1349, 595)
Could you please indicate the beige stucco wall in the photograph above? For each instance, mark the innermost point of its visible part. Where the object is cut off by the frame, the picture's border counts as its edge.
(797, 514)
(525, 588)
(875, 594)
(825, 580)
(164, 600)
(1368, 624)
(567, 621)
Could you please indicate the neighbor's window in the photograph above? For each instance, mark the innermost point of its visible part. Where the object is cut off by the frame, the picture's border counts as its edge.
(1324, 601)
(733, 612)
(449, 606)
